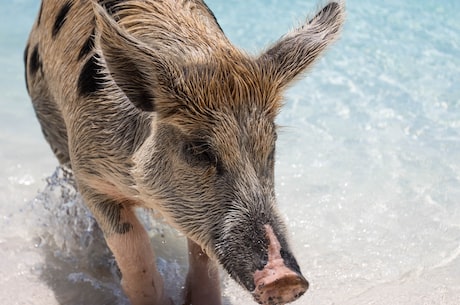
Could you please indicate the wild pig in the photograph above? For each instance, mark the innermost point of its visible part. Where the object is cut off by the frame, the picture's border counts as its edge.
(151, 106)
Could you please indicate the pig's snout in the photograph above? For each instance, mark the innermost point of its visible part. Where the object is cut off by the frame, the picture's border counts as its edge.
(276, 283)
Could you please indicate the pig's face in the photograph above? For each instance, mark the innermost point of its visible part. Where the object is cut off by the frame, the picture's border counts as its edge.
(213, 162)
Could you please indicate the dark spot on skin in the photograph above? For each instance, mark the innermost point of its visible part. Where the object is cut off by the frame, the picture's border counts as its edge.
(142, 99)
(40, 14)
(111, 6)
(26, 55)
(111, 211)
(61, 18)
(35, 62)
(91, 77)
(88, 46)
(123, 228)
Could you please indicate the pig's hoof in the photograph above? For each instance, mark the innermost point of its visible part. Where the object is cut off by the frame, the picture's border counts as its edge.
(280, 290)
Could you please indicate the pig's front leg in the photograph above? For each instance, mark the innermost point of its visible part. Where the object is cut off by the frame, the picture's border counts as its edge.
(202, 286)
(130, 244)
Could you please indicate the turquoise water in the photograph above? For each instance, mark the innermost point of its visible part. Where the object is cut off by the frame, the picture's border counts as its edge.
(368, 165)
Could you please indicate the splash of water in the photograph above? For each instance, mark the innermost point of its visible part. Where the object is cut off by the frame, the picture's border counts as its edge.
(78, 266)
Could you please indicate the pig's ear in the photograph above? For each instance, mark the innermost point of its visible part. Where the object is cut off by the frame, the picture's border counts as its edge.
(297, 50)
(137, 68)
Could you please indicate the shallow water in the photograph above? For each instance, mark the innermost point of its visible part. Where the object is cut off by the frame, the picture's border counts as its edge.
(368, 166)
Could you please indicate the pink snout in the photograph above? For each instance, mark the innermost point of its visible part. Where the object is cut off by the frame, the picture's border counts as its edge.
(276, 284)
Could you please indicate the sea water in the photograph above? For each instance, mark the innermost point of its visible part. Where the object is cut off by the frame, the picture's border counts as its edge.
(367, 174)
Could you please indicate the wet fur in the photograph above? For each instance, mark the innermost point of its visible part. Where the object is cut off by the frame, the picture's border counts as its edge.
(151, 105)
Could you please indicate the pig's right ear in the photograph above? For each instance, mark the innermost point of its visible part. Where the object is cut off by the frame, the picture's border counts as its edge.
(297, 50)
(137, 69)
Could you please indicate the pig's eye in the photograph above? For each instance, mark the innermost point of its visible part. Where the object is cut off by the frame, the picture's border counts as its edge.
(200, 153)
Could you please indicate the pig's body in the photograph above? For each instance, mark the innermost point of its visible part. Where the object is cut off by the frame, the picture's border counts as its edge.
(151, 105)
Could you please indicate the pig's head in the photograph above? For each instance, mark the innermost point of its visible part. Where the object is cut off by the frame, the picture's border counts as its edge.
(208, 162)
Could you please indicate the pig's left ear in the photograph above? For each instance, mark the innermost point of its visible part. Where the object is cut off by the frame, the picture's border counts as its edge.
(144, 73)
(297, 50)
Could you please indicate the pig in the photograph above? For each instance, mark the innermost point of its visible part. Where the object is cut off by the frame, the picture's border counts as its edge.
(150, 105)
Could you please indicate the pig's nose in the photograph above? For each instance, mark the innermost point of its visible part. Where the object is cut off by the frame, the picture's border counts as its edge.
(280, 288)
(277, 284)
